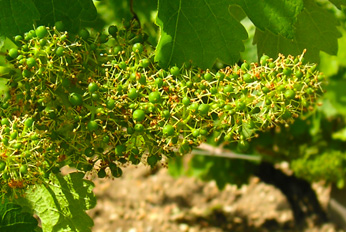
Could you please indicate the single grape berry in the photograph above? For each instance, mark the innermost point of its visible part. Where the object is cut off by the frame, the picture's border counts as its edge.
(112, 30)
(290, 94)
(155, 97)
(264, 60)
(137, 48)
(41, 32)
(103, 38)
(75, 99)
(186, 101)
(13, 53)
(2, 165)
(60, 51)
(139, 127)
(247, 78)
(159, 82)
(245, 66)
(23, 169)
(168, 130)
(31, 62)
(138, 115)
(132, 94)
(120, 150)
(84, 34)
(208, 77)
(93, 87)
(59, 25)
(145, 63)
(203, 109)
(92, 125)
(175, 71)
(102, 173)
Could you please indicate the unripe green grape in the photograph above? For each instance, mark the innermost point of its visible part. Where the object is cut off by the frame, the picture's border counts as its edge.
(60, 51)
(152, 160)
(245, 66)
(59, 25)
(132, 94)
(154, 97)
(76, 99)
(31, 62)
(203, 109)
(290, 94)
(84, 34)
(186, 101)
(139, 127)
(102, 173)
(41, 32)
(13, 53)
(23, 169)
(137, 48)
(208, 77)
(2, 166)
(159, 82)
(120, 150)
(112, 30)
(166, 114)
(264, 60)
(93, 87)
(248, 78)
(175, 71)
(103, 38)
(168, 130)
(138, 115)
(145, 63)
(92, 125)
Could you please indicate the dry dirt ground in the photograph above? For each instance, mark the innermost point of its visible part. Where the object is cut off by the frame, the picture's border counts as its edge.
(143, 201)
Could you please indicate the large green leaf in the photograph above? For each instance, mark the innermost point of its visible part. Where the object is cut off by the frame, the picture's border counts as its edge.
(316, 30)
(338, 3)
(72, 13)
(17, 16)
(198, 31)
(277, 16)
(61, 204)
(12, 219)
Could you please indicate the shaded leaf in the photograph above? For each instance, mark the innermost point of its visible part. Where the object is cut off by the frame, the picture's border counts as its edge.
(338, 3)
(61, 204)
(277, 16)
(316, 30)
(17, 16)
(12, 219)
(72, 13)
(199, 32)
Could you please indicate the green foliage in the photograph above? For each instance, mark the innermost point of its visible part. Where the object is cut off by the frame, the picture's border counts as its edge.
(61, 203)
(18, 16)
(13, 219)
(95, 95)
(210, 29)
(315, 30)
(277, 16)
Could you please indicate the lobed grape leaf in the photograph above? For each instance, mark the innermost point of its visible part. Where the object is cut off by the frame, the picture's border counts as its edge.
(316, 30)
(17, 16)
(198, 31)
(61, 204)
(12, 219)
(338, 3)
(72, 13)
(277, 16)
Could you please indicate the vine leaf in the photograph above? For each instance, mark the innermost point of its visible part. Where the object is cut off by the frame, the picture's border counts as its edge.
(198, 31)
(338, 3)
(12, 219)
(72, 13)
(278, 16)
(17, 16)
(61, 204)
(316, 30)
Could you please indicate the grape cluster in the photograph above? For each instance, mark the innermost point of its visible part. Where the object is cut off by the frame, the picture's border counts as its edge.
(98, 101)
